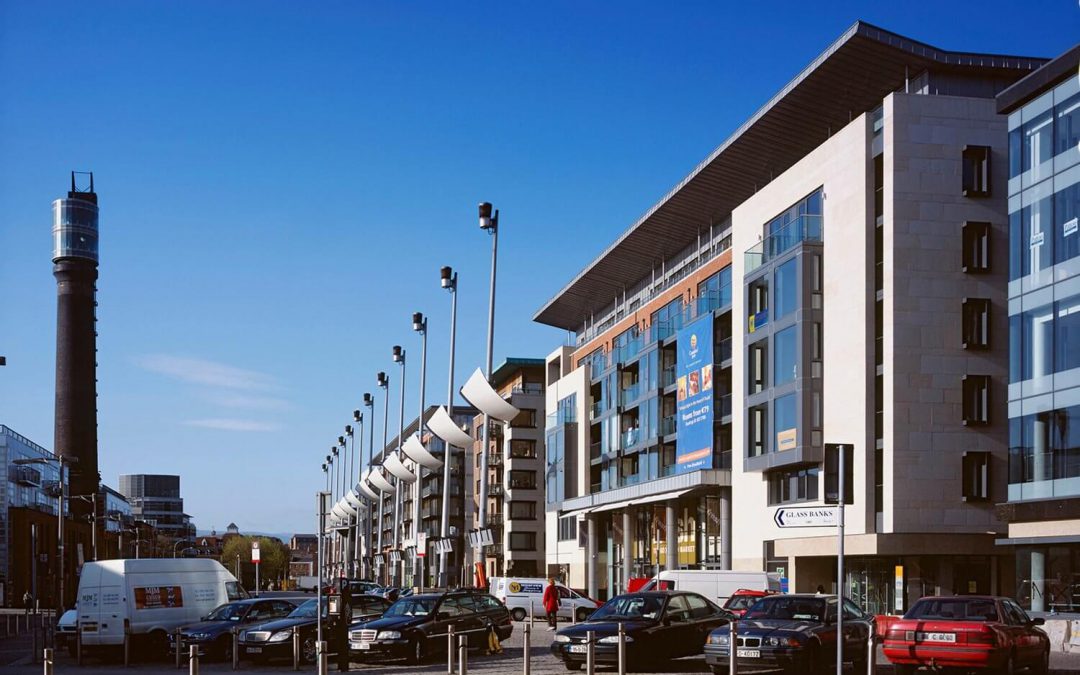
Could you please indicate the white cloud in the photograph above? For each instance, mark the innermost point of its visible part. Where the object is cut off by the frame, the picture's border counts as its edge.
(232, 424)
(205, 372)
(246, 401)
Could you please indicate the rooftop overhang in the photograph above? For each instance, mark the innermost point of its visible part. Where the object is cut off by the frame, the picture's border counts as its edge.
(850, 77)
(1044, 78)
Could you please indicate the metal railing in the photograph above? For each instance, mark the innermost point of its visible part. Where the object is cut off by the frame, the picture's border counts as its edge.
(806, 227)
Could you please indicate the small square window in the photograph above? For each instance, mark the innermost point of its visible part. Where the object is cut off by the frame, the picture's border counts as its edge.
(757, 368)
(976, 400)
(976, 171)
(976, 323)
(976, 476)
(976, 248)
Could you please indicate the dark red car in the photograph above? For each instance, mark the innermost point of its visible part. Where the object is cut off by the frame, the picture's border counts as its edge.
(970, 632)
(742, 599)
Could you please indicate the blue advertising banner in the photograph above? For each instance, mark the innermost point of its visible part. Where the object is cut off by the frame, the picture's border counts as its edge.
(694, 397)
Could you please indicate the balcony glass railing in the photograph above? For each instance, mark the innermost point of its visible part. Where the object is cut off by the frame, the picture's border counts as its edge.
(804, 228)
(723, 350)
(594, 450)
(630, 393)
(667, 376)
(630, 437)
(667, 425)
(596, 409)
(723, 406)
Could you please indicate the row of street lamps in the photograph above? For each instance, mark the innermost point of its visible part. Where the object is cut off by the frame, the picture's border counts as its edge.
(373, 483)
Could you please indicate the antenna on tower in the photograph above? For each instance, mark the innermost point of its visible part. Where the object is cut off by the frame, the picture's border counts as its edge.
(75, 189)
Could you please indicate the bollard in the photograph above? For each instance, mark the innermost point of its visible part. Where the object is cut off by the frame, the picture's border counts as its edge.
(193, 660)
(127, 648)
(532, 617)
(295, 648)
(78, 642)
(733, 652)
(48, 661)
(590, 653)
(34, 638)
(871, 653)
(179, 644)
(450, 650)
(463, 655)
(526, 649)
(324, 663)
(235, 649)
(622, 649)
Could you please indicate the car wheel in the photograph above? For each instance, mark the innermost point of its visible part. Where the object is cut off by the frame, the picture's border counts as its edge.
(518, 614)
(1009, 667)
(573, 665)
(416, 651)
(1043, 666)
(308, 649)
(582, 614)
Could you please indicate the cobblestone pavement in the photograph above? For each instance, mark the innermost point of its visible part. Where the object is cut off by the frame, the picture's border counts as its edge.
(543, 663)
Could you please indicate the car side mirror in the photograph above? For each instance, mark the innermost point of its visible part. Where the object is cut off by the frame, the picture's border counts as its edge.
(1037, 621)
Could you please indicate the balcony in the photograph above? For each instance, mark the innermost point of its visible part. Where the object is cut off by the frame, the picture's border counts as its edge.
(594, 450)
(723, 406)
(630, 393)
(804, 228)
(667, 377)
(528, 388)
(667, 425)
(631, 437)
(596, 409)
(495, 490)
(723, 350)
(495, 459)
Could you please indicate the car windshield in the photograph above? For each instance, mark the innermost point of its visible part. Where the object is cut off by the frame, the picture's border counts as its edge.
(742, 601)
(411, 607)
(233, 611)
(630, 607)
(954, 609)
(786, 608)
(308, 610)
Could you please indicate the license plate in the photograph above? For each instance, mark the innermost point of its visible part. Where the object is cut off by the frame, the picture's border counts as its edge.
(937, 637)
(577, 649)
(748, 653)
(254, 650)
(363, 645)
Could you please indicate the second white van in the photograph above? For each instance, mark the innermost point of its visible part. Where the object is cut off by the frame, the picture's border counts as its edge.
(716, 585)
(521, 593)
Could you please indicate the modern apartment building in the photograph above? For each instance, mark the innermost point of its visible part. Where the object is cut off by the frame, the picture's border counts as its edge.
(431, 491)
(515, 472)
(834, 272)
(155, 499)
(1042, 505)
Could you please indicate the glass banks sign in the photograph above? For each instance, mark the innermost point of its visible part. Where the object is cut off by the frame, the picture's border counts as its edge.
(694, 397)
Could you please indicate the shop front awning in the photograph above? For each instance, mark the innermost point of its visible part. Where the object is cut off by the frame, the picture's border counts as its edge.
(639, 501)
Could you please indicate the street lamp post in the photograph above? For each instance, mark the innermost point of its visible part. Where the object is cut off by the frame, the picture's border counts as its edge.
(92, 499)
(61, 572)
(448, 280)
(384, 382)
(182, 541)
(398, 355)
(369, 554)
(322, 542)
(490, 223)
(419, 324)
(357, 455)
(331, 560)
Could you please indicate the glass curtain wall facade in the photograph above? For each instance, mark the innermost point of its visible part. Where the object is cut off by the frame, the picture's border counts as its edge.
(1044, 339)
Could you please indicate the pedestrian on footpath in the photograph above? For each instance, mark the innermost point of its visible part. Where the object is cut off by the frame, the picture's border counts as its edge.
(28, 601)
(551, 604)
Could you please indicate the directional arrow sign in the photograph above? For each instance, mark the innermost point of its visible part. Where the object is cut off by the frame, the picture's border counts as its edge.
(806, 516)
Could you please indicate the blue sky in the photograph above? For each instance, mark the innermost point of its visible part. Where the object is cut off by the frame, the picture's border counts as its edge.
(280, 183)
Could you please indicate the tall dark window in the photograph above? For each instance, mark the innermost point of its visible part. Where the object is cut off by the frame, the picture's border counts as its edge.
(976, 253)
(976, 171)
(976, 323)
(976, 400)
(976, 476)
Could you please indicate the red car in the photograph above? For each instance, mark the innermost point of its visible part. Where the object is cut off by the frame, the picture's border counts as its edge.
(743, 599)
(967, 631)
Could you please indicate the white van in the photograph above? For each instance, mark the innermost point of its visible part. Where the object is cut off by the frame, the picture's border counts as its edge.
(151, 597)
(517, 593)
(717, 585)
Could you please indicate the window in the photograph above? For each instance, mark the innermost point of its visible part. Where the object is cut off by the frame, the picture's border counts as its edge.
(757, 305)
(1038, 146)
(523, 449)
(787, 289)
(520, 510)
(757, 369)
(677, 610)
(699, 607)
(1067, 334)
(714, 292)
(785, 357)
(976, 400)
(1067, 125)
(567, 528)
(1037, 342)
(799, 485)
(757, 430)
(976, 171)
(1067, 222)
(976, 476)
(976, 323)
(785, 422)
(457, 606)
(526, 418)
(976, 252)
(521, 479)
(522, 541)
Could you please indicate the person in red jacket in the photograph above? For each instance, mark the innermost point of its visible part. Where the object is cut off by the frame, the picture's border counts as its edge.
(551, 604)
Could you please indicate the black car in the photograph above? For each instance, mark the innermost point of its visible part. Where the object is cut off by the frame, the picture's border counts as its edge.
(659, 625)
(273, 640)
(795, 633)
(213, 634)
(416, 626)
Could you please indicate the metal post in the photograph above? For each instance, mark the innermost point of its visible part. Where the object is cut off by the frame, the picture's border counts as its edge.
(322, 497)
(49, 661)
(295, 648)
(841, 451)
(444, 519)
(733, 652)
(179, 647)
(622, 649)
(871, 653)
(385, 429)
(526, 650)
(61, 572)
(463, 654)
(450, 650)
(590, 653)
(487, 373)
(399, 568)
(324, 665)
(235, 649)
(369, 557)
(532, 618)
(418, 562)
(78, 642)
(193, 660)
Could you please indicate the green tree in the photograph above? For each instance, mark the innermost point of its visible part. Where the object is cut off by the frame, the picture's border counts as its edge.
(273, 555)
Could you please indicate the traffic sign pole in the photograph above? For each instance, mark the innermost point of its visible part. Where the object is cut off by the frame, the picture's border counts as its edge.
(840, 566)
